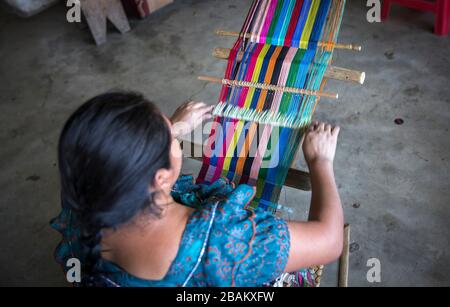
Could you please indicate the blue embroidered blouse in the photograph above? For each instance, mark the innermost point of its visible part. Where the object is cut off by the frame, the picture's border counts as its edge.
(223, 244)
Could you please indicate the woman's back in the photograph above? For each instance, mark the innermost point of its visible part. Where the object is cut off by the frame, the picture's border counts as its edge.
(146, 247)
(223, 243)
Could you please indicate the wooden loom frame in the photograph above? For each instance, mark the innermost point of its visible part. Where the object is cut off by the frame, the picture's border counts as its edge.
(296, 178)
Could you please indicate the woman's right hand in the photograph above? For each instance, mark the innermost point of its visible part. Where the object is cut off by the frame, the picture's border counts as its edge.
(320, 143)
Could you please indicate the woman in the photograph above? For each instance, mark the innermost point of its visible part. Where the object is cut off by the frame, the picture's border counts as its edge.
(131, 221)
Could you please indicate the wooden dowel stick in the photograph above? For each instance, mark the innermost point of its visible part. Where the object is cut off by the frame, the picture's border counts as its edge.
(269, 87)
(332, 72)
(320, 44)
(344, 74)
(344, 260)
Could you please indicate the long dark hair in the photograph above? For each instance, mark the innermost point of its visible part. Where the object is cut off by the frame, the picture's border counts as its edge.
(108, 153)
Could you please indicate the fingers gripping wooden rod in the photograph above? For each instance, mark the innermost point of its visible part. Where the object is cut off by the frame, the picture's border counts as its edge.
(332, 72)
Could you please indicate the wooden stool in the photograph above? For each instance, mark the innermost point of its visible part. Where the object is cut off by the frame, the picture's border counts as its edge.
(97, 12)
(441, 8)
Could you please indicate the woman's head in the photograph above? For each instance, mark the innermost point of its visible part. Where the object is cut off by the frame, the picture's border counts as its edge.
(115, 153)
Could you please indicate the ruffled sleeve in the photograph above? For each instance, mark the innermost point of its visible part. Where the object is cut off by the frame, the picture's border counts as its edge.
(186, 192)
(246, 248)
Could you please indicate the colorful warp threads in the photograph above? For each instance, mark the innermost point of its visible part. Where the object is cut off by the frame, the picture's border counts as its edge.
(282, 51)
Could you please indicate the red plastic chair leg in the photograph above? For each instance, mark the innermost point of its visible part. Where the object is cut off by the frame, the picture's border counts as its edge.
(385, 9)
(441, 26)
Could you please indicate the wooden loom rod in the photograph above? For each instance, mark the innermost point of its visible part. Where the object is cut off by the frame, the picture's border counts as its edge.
(332, 72)
(344, 259)
(270, 87)
(320, 44)
(295, 178)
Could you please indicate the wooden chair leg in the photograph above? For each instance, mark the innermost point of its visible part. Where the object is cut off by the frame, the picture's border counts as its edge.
(98, 11)
(385, 9)
(344, 259)
(441, 26)
(96, 20)
(117, 16)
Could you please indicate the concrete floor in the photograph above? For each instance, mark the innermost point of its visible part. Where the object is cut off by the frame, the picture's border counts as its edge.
(393, 179)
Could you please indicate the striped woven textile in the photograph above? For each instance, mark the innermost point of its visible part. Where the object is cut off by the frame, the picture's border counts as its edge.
(280, 48)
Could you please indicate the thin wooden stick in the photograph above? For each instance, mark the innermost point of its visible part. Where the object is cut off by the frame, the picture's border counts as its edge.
(352, 47)
(332, 72)
(270, 87)
(343, 261)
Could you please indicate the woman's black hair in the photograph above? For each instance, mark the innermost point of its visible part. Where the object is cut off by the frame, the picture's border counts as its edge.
(108, 153)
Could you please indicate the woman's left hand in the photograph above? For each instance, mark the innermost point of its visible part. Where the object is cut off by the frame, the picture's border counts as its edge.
(188, 116)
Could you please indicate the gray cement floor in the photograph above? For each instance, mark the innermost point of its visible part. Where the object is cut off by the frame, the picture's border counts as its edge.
(393, 179)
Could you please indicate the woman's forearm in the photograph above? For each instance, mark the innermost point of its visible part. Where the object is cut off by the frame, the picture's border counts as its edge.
(326, 205)
(320, 240)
